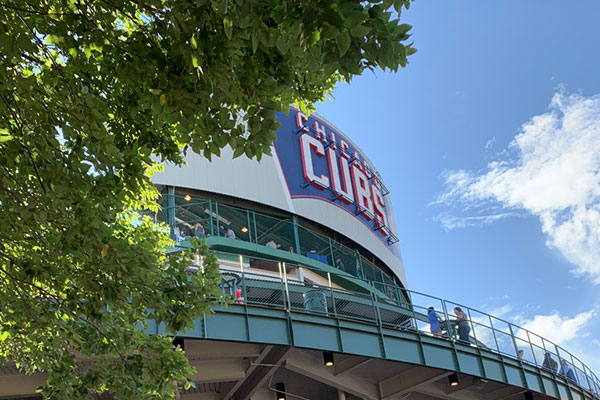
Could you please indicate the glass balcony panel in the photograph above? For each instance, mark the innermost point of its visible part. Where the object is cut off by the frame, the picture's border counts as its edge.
(192, 218)
(581, 378)
(392, 292)
(500, 325)
(596, 384)
(423, 302)
(484, 336)
(315, 246)
(233, 223)
(538, 354)
(345, 259)
(550, 346)
(505, 343)
(524, 347)
(370, 271)
(545, 359)
(274, 232)
(534, 339)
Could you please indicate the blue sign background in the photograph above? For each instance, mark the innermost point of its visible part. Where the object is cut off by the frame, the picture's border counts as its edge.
(289, 153)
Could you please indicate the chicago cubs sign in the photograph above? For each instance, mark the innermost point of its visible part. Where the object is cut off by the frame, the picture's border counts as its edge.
(319, 162)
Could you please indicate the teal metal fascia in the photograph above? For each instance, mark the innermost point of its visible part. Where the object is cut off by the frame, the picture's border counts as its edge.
(244, 323)
(252, 249)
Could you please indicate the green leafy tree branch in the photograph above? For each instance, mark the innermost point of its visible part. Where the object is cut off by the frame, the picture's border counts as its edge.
(92, 93)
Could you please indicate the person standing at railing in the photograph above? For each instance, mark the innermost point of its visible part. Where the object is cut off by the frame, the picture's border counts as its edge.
(271, 243)
(199, 231)
(177, 233)
(567, 371)
(549, 363)
(434, 322)
(230, 234)
(340, 265)
(463, 326)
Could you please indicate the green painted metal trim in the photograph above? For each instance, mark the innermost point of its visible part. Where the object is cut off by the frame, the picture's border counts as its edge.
(406, 346)
(252, 249)
(171, 209)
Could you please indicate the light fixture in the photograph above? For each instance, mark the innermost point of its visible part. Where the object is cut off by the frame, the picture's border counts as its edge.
(453, 379)
(328, 358)
(280, 389)
(244, 229)
(187, 197)
(528, 396)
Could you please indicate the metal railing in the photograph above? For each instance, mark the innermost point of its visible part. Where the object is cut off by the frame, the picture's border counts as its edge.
(193, 216)
(284, 286)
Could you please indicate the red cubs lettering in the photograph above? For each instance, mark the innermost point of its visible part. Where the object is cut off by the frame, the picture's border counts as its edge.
(320, 132)
(343, 187)
(306, 144)
(351, 179)
(362, 194)
(378, 205)
(301, 121)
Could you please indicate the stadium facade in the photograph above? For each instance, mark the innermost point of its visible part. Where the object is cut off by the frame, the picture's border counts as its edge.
(307, 246)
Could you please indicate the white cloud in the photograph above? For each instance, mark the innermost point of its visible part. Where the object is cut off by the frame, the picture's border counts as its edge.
(552, 171)
(490, 143)
(570, 333)
(557, 328)
(450, 222)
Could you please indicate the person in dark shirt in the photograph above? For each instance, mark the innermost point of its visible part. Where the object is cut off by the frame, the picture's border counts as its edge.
(463, 326)
(549, 363)
(199, 231)
(340, 265)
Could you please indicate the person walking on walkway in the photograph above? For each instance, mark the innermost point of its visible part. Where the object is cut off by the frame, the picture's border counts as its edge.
(463, 326)
(434, 322)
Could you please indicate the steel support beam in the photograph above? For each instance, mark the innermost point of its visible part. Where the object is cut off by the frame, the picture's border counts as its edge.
(312, 367)
(219, 370)
(260, 371)
(408, 381)
(349, 364)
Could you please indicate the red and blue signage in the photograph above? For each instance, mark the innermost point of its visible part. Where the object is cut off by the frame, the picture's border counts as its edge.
(321, 163)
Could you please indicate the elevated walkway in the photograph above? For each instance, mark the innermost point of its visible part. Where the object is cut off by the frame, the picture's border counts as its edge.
(282, 308)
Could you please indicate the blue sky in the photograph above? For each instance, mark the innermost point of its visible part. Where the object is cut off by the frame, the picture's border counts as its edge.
(489, 142)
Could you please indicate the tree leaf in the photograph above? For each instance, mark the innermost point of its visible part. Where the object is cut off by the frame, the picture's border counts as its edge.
(343, 42)
(5, 135)
(228, 25)
(254, 43)
(359, 30)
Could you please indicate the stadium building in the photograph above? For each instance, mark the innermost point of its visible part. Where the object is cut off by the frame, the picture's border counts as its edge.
(307, 246)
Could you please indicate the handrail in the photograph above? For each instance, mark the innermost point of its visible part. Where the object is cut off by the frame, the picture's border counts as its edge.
(501, 337)
(353, 259)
